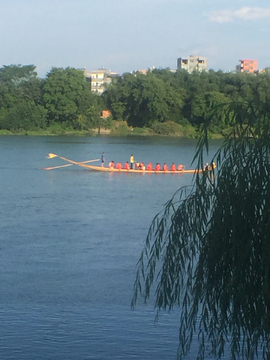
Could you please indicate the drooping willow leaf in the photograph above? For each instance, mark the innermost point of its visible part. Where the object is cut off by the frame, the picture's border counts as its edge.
(208, 251)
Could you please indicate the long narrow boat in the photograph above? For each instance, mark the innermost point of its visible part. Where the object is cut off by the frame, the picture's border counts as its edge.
(107, 169)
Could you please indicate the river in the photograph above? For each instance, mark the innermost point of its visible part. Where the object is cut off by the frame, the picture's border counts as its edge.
(70, 239)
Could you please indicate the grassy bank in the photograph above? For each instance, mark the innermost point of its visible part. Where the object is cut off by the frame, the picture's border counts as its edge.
(118, 128)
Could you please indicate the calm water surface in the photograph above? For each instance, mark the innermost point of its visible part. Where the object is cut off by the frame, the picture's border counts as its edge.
(69, 243)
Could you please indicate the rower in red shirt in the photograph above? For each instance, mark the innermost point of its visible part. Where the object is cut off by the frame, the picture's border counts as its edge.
(127, 165)
(118, 166)
(180, 167)
(157, 168)
(149, 167)
(173, 167)
(111, 164)
(165, 167)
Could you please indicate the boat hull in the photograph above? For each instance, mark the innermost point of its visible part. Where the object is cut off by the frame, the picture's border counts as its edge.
(134, 171)
(130, 171)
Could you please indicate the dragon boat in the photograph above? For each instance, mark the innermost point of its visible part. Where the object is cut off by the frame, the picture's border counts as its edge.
(108, 169)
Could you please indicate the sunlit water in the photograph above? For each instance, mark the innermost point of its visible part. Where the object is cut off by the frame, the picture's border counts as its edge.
(69, 243)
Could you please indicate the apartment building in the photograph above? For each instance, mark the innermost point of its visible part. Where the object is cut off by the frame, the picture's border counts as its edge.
(99, 79)
(248, 66)
(193, 62)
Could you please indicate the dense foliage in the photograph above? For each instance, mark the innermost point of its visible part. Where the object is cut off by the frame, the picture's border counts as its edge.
(186, 99)
(62, 99)
(208, 252)
(162, 101)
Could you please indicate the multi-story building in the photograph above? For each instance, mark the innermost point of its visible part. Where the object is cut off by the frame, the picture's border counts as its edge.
(248, 66)
(99, 79)
(193, 62)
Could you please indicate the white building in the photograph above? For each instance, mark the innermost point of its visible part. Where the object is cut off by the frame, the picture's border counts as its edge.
(193, 62)
(99, 79)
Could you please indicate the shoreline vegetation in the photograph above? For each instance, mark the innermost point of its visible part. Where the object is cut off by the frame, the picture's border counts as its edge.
(100, 132)
(158, 103)
(117, 129)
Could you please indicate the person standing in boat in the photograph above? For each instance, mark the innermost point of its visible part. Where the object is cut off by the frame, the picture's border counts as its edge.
(131, 161)
(102, 159)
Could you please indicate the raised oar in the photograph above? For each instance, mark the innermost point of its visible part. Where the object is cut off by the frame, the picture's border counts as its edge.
(62, 166)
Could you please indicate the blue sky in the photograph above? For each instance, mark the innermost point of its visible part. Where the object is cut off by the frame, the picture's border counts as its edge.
(126, 35)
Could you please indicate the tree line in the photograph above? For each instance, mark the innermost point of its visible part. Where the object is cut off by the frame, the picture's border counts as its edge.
(163, 101)
(62, 99)
(185, 99)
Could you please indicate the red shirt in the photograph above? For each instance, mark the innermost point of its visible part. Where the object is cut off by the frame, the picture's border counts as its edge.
(165, 167)
(149, 167)
(127, 166)
(118, 166)
(173, 168)
(111, 164)
(157, 168)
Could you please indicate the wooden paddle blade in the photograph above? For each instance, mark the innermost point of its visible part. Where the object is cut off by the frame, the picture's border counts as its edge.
(51, 155)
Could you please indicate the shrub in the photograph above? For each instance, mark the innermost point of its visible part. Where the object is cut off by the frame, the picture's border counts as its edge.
(167, 128)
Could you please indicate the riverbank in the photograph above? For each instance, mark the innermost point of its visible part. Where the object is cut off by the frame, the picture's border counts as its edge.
(120, 128)
(95, 132)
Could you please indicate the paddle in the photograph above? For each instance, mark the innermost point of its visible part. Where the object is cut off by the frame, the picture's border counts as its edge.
(50, 156)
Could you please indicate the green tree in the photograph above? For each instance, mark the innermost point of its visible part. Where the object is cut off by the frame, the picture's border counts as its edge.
(89, 108)
(32, 90)
(140, 99)
(25, 115)
(8, 95)
(17, 74)
(61, 93)
(208, 251)
(68, 98)
(21, 82)
(261, 88)
(11, 78)
(118, 109)
(20, 98)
